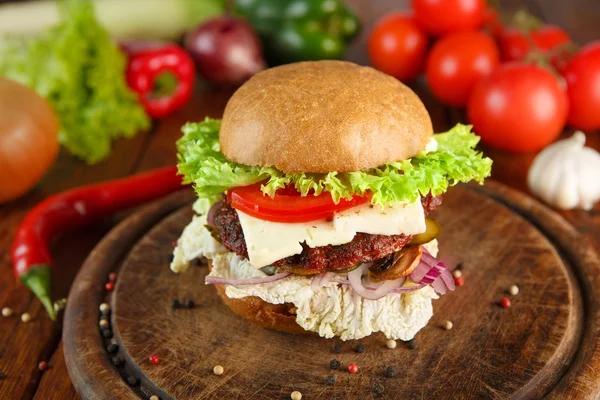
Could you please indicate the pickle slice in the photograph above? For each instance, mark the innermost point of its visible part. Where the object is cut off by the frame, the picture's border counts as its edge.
(432, 230)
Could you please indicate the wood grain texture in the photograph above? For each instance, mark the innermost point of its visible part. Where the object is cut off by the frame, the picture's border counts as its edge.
(81, 319)
(24, 345)
(526, 351)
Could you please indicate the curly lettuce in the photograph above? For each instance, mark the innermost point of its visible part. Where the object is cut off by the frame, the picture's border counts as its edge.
(81, 72)
(454, 161)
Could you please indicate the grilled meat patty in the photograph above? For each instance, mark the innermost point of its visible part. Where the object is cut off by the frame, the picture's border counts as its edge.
(363, 248)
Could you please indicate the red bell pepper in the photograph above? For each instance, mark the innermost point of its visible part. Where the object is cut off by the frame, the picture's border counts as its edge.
(73, 209)
(149, 65)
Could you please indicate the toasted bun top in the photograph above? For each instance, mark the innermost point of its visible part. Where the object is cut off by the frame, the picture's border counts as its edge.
(323, 116)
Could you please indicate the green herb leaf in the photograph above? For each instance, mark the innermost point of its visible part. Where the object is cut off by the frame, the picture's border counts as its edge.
(455, 160)
(81, 72)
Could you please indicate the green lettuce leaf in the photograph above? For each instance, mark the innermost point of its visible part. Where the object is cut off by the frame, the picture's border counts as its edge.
(81, 72)
(455, 160)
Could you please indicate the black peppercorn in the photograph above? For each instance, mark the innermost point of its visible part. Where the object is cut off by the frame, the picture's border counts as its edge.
(330, 380)
(116, 361)
(411, 344)
(334, 364)
(112, 348)
(360, 348)
(337, 349)
(107, 333)
(132, 380)
(189, 303)
(390, 372)
(378, 388)
(176, 304)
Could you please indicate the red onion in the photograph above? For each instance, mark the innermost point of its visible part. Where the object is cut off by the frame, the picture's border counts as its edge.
(315, 282)
(448, 279)
(405, 289)
(355, 278)
(226, 50)
(439, 286)
(251, 281)
(425, 273)
(326, 278)
(434, 272)
(323, 279)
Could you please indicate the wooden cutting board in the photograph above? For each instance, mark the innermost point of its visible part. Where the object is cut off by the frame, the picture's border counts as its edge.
(546, 343)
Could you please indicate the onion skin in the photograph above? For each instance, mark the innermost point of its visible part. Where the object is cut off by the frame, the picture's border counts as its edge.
(226, 50)
(28, 139)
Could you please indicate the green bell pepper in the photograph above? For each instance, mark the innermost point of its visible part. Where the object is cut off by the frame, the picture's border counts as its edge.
(300, 30)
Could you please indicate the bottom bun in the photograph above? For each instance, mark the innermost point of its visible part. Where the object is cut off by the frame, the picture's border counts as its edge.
(267, 315)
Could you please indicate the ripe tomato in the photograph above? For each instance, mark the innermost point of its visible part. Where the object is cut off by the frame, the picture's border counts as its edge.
(288, 206)
(515, 45)
(397, 46)
(440, 17)
(458, 61)
(519, 107)
(582, 74)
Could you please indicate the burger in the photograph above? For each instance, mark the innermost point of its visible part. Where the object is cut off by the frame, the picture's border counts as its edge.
(315, 191)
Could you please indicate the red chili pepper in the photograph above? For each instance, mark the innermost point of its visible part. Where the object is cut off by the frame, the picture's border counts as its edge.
(73, 209)
(149, 65)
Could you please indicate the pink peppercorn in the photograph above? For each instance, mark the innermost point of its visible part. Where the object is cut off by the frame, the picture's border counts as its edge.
(505, 302)
(154, 359)
(352, 368)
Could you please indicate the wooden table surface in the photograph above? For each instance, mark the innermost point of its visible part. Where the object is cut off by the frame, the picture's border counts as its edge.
(25, 344)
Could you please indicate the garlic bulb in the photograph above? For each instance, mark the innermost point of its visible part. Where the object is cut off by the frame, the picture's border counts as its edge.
(566, 174)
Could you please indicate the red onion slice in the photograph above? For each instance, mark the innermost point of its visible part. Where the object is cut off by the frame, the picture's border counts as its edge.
(448, 279)
(419, 273)
(315, 282)
(326, 278)
(405, 289)
(355, 278)
(439, 285)
(369, 284)
(427, 258)
(240, 282)
(427, 274)
(321, 280)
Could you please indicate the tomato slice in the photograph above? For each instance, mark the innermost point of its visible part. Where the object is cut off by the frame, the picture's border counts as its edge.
(287, 205)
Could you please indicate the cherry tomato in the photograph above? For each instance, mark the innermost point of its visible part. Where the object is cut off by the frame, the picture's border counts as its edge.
(492, 22)
(397, 46)
(286, 206)
(515, 45)
(28, 138)
(458, 61)
(440, 17)
(519, 107)
(582, 74)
